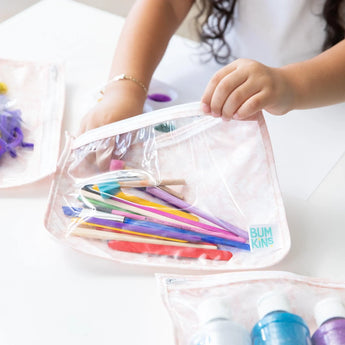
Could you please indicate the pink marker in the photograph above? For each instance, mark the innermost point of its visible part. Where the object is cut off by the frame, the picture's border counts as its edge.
(216, 232)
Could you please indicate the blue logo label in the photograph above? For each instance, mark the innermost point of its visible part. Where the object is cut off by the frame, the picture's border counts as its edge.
(263, 237)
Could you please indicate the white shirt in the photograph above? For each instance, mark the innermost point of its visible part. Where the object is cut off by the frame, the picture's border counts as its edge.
(277, 32)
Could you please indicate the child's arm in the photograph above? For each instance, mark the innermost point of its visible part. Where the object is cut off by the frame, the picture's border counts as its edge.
(142, 43)
(245, 87)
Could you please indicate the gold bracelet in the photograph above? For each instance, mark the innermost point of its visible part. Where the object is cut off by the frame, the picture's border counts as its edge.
(126, 77)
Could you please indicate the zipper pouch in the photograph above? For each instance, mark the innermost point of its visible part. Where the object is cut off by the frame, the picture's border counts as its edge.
(31, 111)
(243, 308)
(172, 188)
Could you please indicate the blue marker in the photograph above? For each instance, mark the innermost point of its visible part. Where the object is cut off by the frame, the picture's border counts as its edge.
(278, 326)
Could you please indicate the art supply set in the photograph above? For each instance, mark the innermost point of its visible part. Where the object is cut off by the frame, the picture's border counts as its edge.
(152, 220)
(188, 197)
(31, 111)
(254, 308)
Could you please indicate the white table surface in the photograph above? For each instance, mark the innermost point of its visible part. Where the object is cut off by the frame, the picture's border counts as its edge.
(53, 294)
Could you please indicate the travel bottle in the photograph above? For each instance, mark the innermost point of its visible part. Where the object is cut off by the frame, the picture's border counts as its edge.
(330, 318)
(277, 325)
(216, 326)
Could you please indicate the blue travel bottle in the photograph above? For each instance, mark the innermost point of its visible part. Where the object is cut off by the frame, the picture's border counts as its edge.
(216, 326)
(277, 325)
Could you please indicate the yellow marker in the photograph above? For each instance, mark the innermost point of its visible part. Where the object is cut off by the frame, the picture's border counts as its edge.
(164, 208)
(3, 88)
(144, 202)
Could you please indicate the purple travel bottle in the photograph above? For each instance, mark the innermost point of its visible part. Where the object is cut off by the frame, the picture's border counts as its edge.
(330, 318)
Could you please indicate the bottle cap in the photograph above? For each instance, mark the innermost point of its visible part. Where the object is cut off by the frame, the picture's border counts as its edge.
(213, 308)
(272, 301)
(328, 308)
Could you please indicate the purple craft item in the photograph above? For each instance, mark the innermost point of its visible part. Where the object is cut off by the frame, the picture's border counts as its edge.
(2, 147)
(160, 194)
(11, 136)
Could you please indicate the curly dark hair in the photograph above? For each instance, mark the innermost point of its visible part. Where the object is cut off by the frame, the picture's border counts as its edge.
(216, 16)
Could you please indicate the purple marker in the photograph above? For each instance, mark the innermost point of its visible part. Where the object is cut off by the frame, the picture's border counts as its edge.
(330, 317)
(161, 194)
(11, 134)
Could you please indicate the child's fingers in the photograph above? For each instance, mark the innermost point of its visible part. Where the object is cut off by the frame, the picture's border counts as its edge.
(224, 89)
(238, 97)
(251, 106)
(212, 84)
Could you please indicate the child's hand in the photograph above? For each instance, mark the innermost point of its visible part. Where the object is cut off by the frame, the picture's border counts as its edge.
(120, 101)
(245, 87)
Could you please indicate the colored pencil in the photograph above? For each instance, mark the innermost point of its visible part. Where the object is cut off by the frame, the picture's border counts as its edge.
(216, 232)
(135, 208)
(121, 216)
(162, 195)
(140, 201)
(164, 231)
(151, 212)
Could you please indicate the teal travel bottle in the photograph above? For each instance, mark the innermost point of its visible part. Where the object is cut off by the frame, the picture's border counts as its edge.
(277, 325)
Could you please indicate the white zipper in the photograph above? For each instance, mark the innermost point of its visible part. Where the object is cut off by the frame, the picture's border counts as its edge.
(137, 122)
(185, 282)
(186, 132)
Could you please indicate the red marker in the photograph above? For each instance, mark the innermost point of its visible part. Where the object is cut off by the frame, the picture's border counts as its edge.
(159, 249)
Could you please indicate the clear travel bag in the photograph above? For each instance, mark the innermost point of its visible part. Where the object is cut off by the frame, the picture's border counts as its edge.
(31, 112)
(172, 188)
(254, 308)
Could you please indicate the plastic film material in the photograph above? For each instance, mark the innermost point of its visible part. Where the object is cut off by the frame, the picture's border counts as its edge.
(184, 198)
(240, 291)
(36, 90)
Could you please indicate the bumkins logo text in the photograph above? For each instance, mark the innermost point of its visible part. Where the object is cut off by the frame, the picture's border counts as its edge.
(262, 237)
